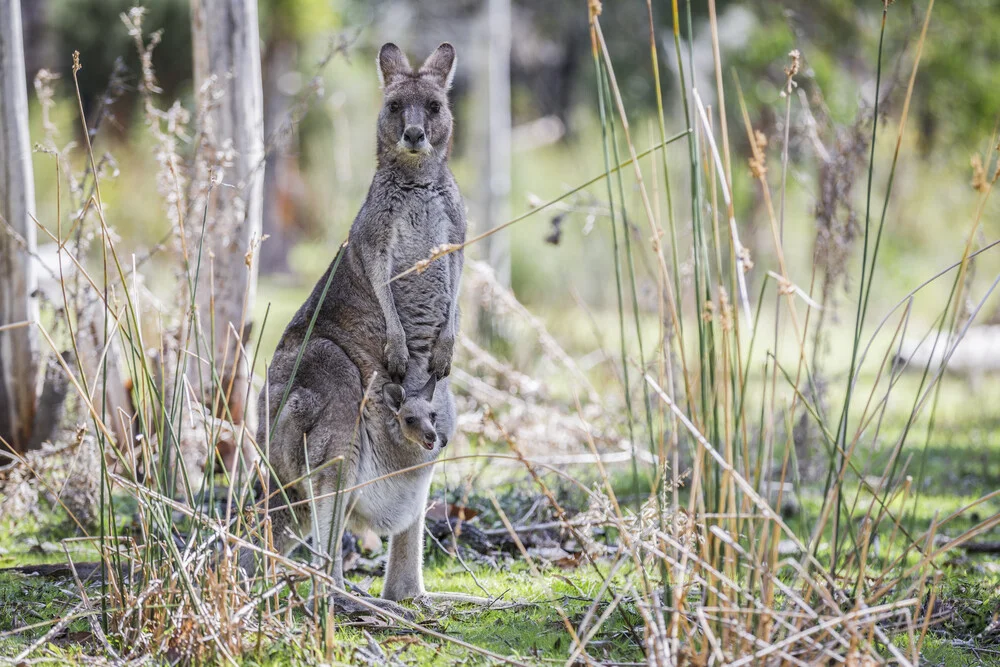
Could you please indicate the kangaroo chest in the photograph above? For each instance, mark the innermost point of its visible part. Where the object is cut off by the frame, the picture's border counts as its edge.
(422, 298)
(422, 224)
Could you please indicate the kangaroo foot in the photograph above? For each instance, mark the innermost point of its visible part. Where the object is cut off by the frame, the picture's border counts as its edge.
(435, 600)
(343, 605)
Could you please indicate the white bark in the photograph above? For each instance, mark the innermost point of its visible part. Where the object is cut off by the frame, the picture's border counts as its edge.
(227, 72)
(18, 346)
(498, 137)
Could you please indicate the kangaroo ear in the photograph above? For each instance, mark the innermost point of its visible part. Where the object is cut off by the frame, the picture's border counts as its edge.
(427, 391)
(440, 65)
(394, 396)
(392, 63)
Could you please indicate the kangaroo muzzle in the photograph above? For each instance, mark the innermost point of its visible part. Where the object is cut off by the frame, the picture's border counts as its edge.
(414, 137)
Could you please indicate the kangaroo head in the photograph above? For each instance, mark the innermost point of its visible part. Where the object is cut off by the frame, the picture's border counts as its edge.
(415, 123)
(414, 412)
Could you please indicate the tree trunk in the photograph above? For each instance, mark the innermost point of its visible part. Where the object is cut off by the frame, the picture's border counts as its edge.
(492, 93)
(18, 303)
(496, 176)
(280, 174)
(227, 75)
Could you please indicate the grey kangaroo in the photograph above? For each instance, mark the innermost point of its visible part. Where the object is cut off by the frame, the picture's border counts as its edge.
(396, 337)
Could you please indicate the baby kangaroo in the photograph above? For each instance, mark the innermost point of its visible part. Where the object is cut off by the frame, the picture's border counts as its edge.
(359, 329)
(415, 415)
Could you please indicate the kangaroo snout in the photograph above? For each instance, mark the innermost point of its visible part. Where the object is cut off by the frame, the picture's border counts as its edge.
(413, 137)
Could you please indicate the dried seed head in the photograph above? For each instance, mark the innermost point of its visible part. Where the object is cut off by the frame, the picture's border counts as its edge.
(45, 93)
(758, 163)
(725, 310)
(794, 65)
(760, 139)
(595, 8)
(979, 180)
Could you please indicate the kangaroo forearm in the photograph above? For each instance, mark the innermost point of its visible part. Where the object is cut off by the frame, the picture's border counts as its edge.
(377, 269)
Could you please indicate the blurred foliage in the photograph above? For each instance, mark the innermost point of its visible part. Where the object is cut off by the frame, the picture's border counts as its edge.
(956, 96)
(94, 28)
(960, 99)
(296, 19)
(953, 112)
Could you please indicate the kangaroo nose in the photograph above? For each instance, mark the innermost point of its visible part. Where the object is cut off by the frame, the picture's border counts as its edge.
(430, 436)
(413, 135)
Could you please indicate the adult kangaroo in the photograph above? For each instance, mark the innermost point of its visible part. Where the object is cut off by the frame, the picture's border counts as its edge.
(369, 328)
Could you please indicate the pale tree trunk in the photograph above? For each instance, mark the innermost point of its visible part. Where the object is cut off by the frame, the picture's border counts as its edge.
(496, 178)
(18, 303)
(227, 73)
(491, 90)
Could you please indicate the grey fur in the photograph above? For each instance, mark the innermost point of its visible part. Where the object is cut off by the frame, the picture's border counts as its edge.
(370, 332)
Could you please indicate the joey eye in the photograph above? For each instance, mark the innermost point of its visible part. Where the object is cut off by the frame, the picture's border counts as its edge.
(410, 421)
(434, 106)
(394, 107)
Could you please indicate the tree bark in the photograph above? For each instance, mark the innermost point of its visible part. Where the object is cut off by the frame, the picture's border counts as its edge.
(280, 172)
(496, 176)
(492, 93)
(18, 303)
(227, 71)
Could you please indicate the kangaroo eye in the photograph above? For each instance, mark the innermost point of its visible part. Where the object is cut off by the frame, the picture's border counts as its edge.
(410, 421)
(394, 107)
(434, 416)
(434, 106)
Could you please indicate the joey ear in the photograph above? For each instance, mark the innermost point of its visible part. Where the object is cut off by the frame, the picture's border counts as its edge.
(394, 396)
(392, 63)
(441, 65)
(427, 391)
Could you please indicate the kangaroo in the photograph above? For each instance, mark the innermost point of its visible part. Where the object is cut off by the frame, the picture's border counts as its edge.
(416, 415)
(396, 336)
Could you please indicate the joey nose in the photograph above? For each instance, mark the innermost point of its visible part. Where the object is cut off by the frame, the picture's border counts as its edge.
(430, 436)
(413, 135)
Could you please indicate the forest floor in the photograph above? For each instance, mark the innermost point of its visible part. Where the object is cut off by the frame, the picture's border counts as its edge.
(956, 462)
(962, 463)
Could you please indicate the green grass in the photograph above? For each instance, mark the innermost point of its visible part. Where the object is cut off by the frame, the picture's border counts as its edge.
(532, 631)
(961, 464)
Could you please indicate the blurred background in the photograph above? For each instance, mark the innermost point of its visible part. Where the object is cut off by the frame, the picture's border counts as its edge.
(320, 112)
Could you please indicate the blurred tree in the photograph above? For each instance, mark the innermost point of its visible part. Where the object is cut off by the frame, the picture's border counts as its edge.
(285, 26)
(280, 215)
(18, 302)
(227, 75)
(494, 91)
(94, 28)
(956, 98)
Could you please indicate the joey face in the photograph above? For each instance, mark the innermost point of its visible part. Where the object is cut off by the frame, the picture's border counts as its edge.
(414, 413)
(415, 122)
